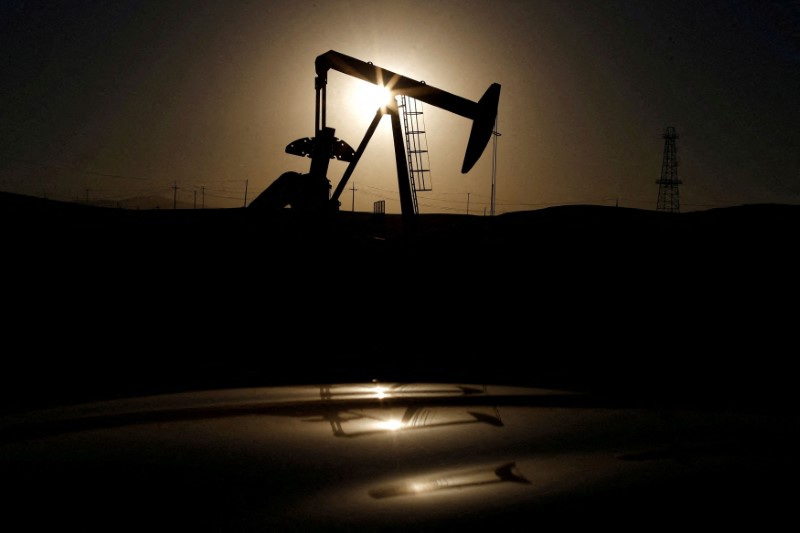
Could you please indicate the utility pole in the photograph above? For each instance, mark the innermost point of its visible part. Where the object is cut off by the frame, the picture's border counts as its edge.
(195, 199)
(174, 195)
(203, 196)
(468, 203)
(495, 135)
(353, 188)
(245, 193)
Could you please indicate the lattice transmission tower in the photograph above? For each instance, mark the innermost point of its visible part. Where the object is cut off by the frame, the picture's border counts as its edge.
(668, 193)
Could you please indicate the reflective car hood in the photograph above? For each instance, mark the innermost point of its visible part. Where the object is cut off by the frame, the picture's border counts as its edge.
(384, 456)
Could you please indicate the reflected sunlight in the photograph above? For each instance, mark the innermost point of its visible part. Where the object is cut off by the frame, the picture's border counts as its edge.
(371, 421)
(477, 477)
(389, 425)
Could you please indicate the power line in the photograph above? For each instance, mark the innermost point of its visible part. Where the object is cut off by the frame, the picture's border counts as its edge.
(73, 169)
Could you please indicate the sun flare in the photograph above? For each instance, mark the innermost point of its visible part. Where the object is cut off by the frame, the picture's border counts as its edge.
(370, 97)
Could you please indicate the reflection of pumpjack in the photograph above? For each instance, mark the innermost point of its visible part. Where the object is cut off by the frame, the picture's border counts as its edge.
(311, 192)
(375, 421)
(478, 477)
(372, 421)
(396, 390)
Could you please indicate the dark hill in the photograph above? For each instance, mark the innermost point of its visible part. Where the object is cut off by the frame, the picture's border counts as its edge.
(629, 302)
(552, 234)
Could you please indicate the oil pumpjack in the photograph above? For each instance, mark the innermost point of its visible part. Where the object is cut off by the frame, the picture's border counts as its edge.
(312, 191)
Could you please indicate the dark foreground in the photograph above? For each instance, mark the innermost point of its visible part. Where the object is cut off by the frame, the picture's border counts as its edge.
(693, 308)
(396, 457)
(349, 373)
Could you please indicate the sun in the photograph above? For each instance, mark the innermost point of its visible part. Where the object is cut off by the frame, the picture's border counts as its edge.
(370, 97)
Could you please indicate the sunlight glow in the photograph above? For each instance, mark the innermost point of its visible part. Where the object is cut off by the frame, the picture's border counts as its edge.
(390, 425)
(371, 97)
(479, 477)
(416, 488)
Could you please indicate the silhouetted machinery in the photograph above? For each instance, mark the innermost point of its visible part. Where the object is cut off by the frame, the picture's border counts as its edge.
(312, 191)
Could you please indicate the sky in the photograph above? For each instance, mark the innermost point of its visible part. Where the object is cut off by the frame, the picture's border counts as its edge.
(197, 100)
